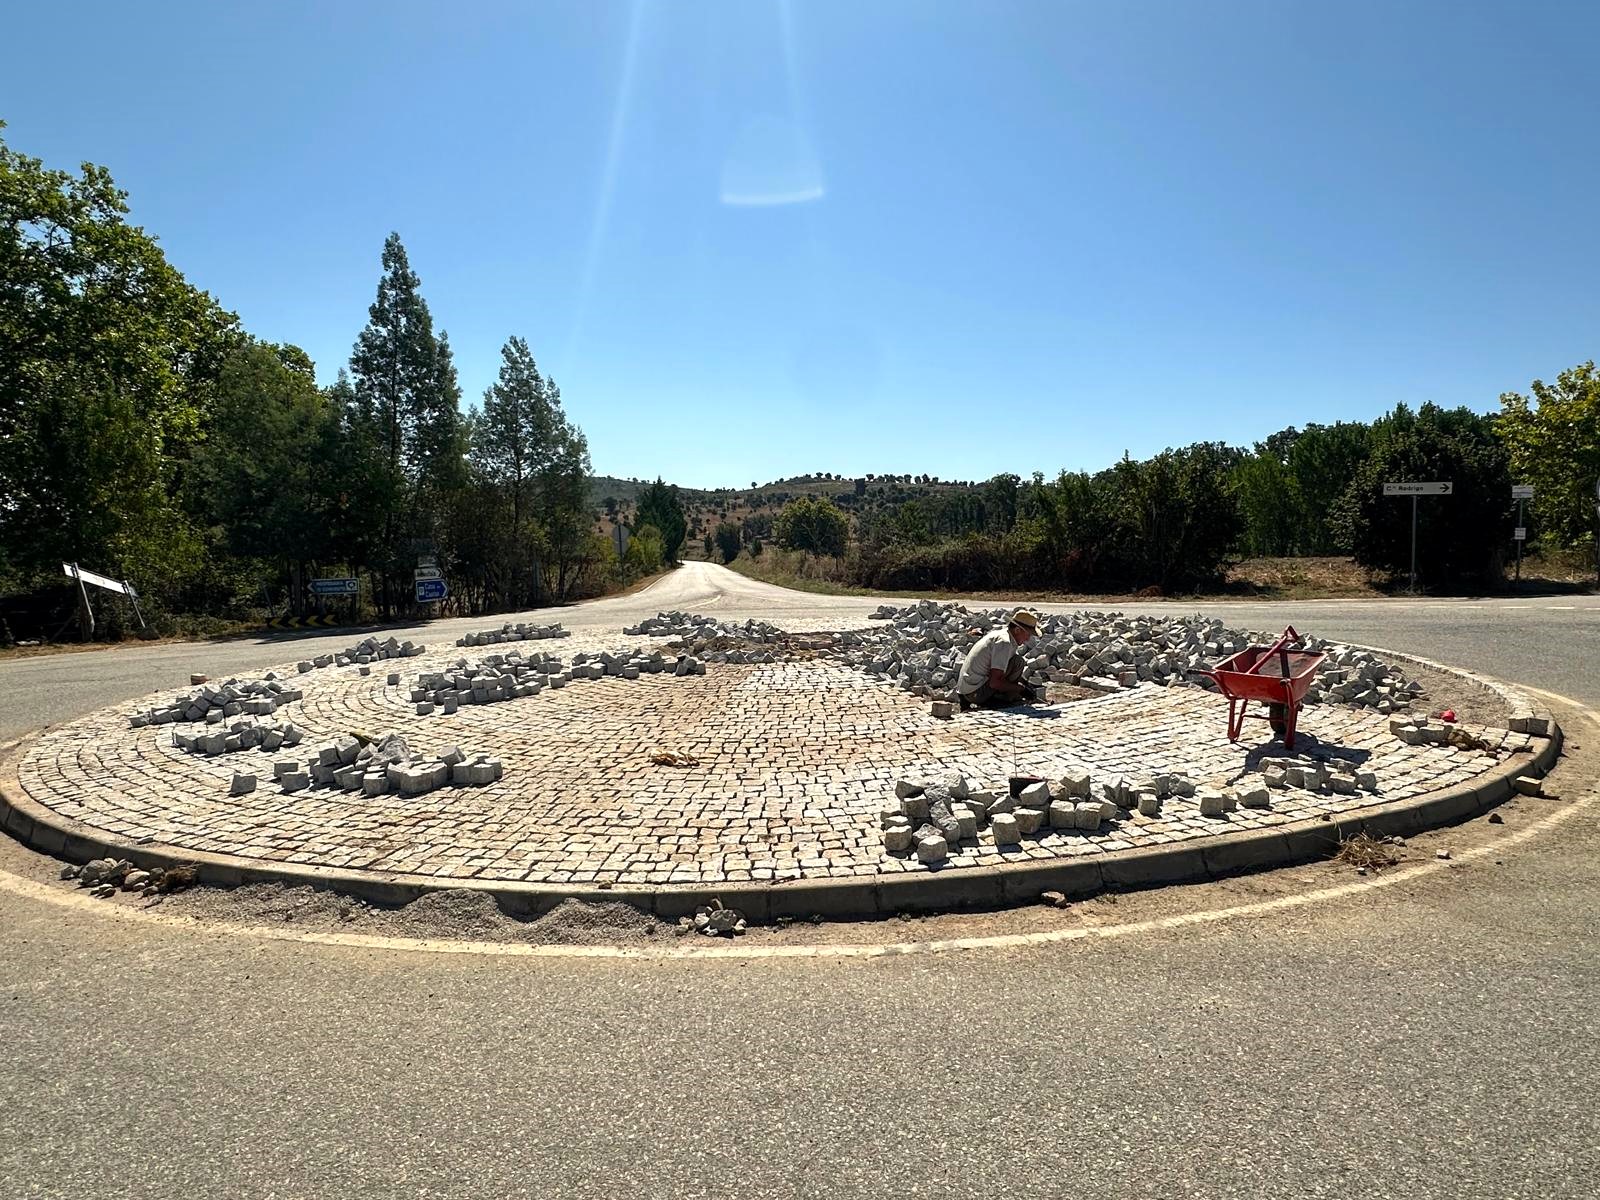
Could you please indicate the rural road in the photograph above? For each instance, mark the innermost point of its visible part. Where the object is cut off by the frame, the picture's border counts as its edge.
(1436, 1038)
(1549, 643)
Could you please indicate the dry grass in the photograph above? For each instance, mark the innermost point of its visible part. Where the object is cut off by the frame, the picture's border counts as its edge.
(1365, 852)
(1302, 578)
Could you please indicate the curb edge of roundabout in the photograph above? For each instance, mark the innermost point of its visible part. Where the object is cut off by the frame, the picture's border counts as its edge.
(951, 888)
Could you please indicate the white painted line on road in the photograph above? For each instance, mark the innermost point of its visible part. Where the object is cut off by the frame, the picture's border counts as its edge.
(76, 899)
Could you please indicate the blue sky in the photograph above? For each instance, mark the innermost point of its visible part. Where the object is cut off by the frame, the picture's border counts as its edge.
(754, 239)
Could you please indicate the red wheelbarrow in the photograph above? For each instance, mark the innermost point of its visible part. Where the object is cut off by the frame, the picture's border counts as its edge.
(1277, 675)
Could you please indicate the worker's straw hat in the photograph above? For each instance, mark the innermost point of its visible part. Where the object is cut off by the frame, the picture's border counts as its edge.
(1026, 619)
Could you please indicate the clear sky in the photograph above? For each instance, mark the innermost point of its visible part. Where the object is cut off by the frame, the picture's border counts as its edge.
(754, 239)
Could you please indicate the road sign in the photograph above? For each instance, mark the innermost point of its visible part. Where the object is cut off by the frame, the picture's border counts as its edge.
(1522, 491)
(1520, 533)
(422, 573)
(74, 571)
(334, 587)
(429, 590)
(1417, 489)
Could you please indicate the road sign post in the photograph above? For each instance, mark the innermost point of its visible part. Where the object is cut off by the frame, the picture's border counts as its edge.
(1521, 493)
(1435, 488)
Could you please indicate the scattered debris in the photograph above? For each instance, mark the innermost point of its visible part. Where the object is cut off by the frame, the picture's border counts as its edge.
(671, 758)
(1496, 819)
(713, 920)
(1365, 852)
(1528, 785)
(106, 876)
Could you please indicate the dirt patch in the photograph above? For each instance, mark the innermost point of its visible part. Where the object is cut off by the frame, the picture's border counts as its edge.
(1472, 703)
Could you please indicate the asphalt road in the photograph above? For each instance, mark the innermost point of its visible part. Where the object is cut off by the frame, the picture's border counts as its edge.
(1438, 1038)
(1550, 643)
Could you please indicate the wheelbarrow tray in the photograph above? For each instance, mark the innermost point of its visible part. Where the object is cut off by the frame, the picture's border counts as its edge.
(1255, 673)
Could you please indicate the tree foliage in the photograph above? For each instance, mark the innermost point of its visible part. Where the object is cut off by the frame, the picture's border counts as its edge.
(661, 506)
(728, 540)
(813, 524)
(1461, 537)
(1554, 443)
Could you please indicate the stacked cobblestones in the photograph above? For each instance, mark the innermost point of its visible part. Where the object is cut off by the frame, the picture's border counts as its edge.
(697, 629)
(368, 650)
(216, 702)
(378, 768)
(243, 734)
(920, 648)
(520, 632)
(500, 677)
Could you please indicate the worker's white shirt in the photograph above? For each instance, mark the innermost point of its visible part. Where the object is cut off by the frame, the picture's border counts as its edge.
(992, 652)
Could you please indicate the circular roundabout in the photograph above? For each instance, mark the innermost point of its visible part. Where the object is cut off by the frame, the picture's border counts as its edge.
(764, 784)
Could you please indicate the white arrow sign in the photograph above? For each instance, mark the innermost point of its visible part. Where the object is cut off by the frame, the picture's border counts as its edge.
(1417, 489)
(427, 573)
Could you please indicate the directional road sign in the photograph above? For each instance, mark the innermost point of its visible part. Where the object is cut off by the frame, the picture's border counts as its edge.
(429, 590)
(427, 573)
(334, 587)
(1522, 491)
(1417, 489)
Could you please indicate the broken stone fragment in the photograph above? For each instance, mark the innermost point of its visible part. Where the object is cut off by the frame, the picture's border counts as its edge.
(243, 783)
(1211, 803)
(1255, 797)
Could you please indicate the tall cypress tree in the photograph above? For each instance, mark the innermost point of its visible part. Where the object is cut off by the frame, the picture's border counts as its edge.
(405, 389)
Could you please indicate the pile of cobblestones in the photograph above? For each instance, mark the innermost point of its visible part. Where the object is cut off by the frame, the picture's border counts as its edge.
(377, 768)
(507, 676)
(698, 630)
(934, 819)
(216, 702)
(367, 650)
(243, 734)
(921, 647)
(520, 632)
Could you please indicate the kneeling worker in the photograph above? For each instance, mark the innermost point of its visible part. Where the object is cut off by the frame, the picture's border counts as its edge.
(991, 676)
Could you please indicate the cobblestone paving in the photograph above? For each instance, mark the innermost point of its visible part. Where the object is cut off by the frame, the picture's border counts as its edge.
(795, 762)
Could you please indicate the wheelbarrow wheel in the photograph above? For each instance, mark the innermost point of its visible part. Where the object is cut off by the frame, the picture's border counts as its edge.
(1278, 718)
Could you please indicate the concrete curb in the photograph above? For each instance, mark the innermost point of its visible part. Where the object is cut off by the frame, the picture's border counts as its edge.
(950, 887)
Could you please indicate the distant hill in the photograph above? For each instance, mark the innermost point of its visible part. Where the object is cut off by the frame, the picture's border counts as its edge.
(707, 507)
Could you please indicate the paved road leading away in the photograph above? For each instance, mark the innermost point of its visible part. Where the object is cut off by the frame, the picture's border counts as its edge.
(1438, 1038)
(1549, 643)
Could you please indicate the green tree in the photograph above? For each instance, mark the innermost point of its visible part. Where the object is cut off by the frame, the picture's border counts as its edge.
(814, 525)
(257, 482)
(1554, 444)
(1322, 460)
(646, 553)
(661, 506)
(404, 391)
(107, 362)
(1270, 507)
(728, 540)
(1461, 538)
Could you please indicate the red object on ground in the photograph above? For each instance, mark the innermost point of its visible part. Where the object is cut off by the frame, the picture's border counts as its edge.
(1448, 714)
(1276, 675)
